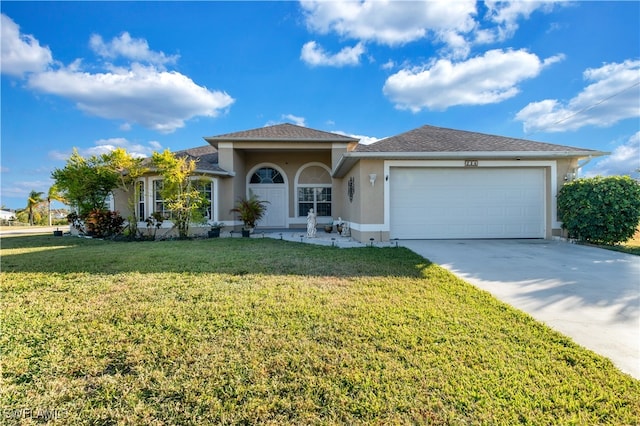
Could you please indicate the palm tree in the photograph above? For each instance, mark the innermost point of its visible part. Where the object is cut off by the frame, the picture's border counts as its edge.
(34, 200)
(54, 195)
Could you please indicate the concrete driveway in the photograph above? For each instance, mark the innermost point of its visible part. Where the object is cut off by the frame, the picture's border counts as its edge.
(589, 294)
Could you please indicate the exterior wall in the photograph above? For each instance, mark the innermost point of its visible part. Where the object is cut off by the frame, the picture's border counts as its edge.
(350, 210)
(338, 149)
(365, 213)
(371, 201)
(121, 202)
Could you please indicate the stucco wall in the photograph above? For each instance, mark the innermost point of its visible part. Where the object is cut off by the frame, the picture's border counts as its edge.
(121, 203)
(229, 188)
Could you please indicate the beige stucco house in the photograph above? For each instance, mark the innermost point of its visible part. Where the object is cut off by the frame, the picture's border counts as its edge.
(428, 183)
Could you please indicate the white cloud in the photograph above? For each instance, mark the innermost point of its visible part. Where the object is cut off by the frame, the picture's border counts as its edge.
(490, 78)
(299, 121)
(135, 93)
(159, 100)
(365, 140)
(134, 49)
(388, 22)
(155, 145)
(20, 53)
(624, 160)
(104, 146)
(506, 14)
(388, 65)
(288, 118)
(454, 24)
(315, 55)
(611, 97)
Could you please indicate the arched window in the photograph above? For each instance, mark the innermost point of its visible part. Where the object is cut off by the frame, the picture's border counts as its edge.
(266, 175)
(314, 190)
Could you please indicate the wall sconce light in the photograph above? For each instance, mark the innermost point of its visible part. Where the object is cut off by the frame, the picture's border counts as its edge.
(569, 177)
(372, 178)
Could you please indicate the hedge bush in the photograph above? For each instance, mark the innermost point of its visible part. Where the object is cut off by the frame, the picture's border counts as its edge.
(600, 210)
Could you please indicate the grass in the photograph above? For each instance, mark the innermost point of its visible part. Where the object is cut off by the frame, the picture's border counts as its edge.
(631, 246)
(229, 331)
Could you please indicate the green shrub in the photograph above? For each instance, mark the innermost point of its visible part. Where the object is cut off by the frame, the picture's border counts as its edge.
(601, 210)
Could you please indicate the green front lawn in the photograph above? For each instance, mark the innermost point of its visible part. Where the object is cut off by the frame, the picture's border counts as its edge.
(260, 331)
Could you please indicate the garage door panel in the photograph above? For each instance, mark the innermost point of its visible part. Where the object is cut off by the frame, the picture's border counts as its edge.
(467, 203)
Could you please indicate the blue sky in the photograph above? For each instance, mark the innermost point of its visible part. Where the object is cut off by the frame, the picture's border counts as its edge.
(148, 76)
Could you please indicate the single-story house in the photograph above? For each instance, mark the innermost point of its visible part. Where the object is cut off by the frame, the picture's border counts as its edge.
(6, 215)
(427, 183)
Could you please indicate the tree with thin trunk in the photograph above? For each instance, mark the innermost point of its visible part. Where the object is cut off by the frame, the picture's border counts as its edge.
(86, 183)
(54, 195)
(35, 199)
(179, 188)
(129, 170)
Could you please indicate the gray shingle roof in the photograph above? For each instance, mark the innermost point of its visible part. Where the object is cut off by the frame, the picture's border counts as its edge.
(438, 139)
(206, 157)
(282, 132)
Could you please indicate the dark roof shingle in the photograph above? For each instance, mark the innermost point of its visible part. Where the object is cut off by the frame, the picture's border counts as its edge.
(438, 139)
(282, 132)
(206, 157)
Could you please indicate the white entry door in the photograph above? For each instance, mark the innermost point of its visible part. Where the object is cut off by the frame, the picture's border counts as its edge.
(276, 214)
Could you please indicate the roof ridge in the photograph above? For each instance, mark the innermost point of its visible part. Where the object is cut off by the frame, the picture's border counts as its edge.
(428, 138)
(282, 131)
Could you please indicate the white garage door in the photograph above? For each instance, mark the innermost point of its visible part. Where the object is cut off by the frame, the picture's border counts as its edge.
(467, 203)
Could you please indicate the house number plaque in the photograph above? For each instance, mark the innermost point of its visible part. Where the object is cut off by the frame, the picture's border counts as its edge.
(471, 163)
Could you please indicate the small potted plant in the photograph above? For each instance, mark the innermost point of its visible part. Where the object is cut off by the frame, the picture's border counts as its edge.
(328, 228)
(251, 210)
(214, 232)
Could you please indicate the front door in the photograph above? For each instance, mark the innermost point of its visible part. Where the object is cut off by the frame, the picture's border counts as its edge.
(270, 184)
(275, 194)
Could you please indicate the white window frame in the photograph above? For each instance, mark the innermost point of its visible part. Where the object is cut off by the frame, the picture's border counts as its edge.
(213, 202)
(299, 185)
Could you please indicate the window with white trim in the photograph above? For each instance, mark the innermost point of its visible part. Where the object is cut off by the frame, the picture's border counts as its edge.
(140, 191)
(314, 191)
(206, 190)
(159, 205)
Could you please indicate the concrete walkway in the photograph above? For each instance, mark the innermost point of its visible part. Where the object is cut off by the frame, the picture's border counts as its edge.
(589, 294)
